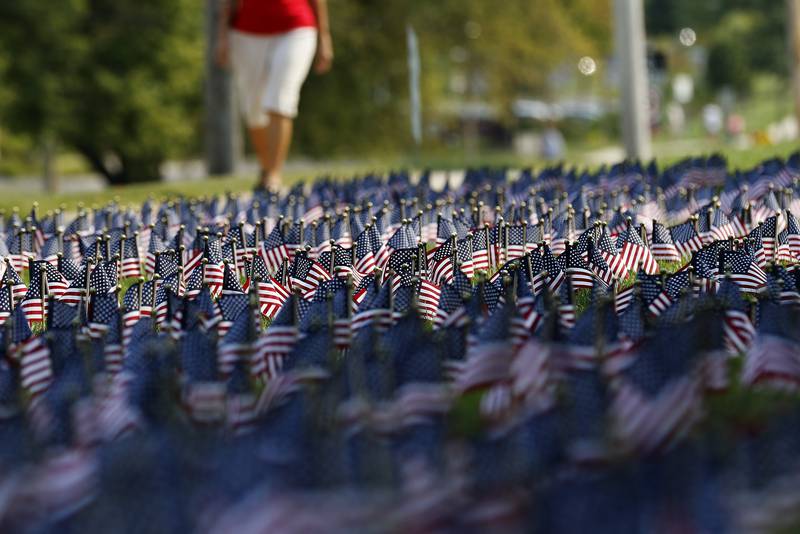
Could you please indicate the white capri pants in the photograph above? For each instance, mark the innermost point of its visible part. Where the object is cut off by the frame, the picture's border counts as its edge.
(269, 71)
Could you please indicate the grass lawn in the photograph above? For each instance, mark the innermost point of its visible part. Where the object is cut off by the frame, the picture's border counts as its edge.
(135, 194)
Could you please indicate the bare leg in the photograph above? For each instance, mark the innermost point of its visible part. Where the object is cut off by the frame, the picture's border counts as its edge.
(279, 137)
(258, 138)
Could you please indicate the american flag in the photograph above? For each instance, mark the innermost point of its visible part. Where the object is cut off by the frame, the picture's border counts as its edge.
(367, 244)
(403, 239)
(488, 360)
(738, 330)
(36, 371)
(277, 342)
(306, 274)
(480, 250)
(656, 401)
(272, 295)
(156, 246)
(788, 249)
(623, 299)
(662, 246)
(517, 246)
(373, 308)
(131, 304)
(514, 381)
(102, 311)
(634, 252)
(6, 302)
(653, 294)
(581, 276)
(131, 261)
(429, 294)
(403, 259)
(237, 343)
(754, 245)
(99, 279)
(598, 265)
(230, 281)
(552, 267)
(194, 282)
(274, 250)
(465, 258)
(50, 250)
(11, 278)
(743, 270)
(338, 261)
(34, 302)
(720, 226)
(68, 268)
(610, 253)
(772, 360)
(341, 232)
(445, 229)
(441, 262)
(686, 238)
(241, 400)
(213, 265)
(237, 237)
(769, 231)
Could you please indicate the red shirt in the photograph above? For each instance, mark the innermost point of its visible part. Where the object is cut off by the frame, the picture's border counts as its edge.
(268, 17)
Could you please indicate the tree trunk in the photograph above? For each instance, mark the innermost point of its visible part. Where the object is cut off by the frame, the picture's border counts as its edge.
(49, 172)
(794, 51)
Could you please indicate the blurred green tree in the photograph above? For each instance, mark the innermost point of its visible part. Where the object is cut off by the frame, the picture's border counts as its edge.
(121, 82)
(118, 82)
(505, 50)
(745, 38)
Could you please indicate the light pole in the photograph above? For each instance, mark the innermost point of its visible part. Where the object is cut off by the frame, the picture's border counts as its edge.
(630, 43)
(794, 51)
(220, 123)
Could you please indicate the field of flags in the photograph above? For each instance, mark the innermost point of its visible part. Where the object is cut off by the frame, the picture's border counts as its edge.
(511, 351)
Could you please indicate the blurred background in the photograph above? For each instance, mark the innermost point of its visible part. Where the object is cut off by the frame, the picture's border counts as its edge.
(98, 92)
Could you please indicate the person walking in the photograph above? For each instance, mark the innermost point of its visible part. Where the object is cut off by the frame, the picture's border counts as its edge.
(270, 46)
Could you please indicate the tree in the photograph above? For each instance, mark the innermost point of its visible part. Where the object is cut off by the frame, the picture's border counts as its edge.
(511, 47)
(119, 82)
(744, 37)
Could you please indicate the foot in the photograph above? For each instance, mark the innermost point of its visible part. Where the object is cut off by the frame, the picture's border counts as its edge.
(272, 182)
(261, 185)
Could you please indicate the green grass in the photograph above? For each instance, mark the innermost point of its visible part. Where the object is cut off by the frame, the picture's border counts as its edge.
(137, 193)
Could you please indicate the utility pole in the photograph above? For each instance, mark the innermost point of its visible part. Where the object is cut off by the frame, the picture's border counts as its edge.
(413, 82)
(220, 124)
(794, 51)
(630, 42)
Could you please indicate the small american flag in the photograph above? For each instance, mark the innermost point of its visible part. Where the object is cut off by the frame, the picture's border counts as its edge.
(686, 238)
(10, 277)
(273, 250)
(131, 261)
(743, 270)
(662, 246)
(769, 231)
(578, 271)
(634, 252)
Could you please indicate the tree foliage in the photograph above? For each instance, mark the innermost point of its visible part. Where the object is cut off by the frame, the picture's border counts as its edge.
(744, 37)
(506, 50)
(119, 82)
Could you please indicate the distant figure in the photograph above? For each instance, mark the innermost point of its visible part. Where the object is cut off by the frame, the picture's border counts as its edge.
(713, 119)
(270, 44)
(676, 118)
(553, 144)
